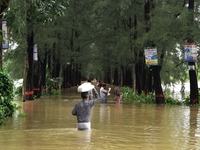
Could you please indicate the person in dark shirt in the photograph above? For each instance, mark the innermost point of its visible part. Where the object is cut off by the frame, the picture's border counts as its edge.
(117, 93)
(82, 110)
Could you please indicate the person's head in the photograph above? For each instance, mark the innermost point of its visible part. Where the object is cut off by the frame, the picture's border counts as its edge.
(84, 95)
(104, 85)
(90, 81)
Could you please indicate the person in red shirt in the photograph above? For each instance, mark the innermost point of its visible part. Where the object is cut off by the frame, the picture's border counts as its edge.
(99, 84)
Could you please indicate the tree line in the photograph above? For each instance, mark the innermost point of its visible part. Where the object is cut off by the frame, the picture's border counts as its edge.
(103, 40)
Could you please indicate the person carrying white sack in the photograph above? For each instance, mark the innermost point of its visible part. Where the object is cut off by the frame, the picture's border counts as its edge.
(82, 109)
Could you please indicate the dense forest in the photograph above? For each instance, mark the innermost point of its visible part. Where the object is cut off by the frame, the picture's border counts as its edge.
(103, 40)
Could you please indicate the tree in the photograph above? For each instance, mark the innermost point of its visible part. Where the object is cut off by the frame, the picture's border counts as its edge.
(33, 15)
(191, 65)
(97, 40)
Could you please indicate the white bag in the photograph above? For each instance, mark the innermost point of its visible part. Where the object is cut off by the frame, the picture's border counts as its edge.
(85, 87)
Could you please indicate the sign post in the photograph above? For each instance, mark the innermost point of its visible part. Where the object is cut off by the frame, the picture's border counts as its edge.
(5, 43)
(151, 56)
(190, 51)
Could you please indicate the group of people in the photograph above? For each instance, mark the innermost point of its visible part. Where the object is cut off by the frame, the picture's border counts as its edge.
(104, 92)
(89, 95)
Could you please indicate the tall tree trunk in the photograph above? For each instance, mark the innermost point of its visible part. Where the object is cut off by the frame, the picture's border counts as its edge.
(42, 81)
(135, 36)
(139, 77)
(55, 61)
(155, 69)
(193, 84)
(150, 88)
(121, 78)
(29, 78)
(128, 77)
(30, 43)
(149, 79)
(191, 65)
(134, 78)
(36, 77)
(157, 85)
(26, 66)
(116, 75)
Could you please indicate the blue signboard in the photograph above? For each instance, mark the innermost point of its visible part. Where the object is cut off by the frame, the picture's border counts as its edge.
(151, 56)
(190, 51)
(5, 43)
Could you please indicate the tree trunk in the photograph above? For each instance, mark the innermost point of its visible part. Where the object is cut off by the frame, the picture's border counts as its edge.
(116, 75)
(155, 69)
(128, 77)
(30, 44)
(140, 74)
(157, 85)
(42, 81)
(193, 84)
(36, 77)
(138, 78)
(192, 73)
(150, 88)
(134, 78)
(29, 77)
(26, 66)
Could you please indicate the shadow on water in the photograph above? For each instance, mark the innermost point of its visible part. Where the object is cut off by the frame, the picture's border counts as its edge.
(51, 126)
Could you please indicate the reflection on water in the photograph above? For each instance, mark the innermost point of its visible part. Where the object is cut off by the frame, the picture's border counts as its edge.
(104, 114)
(51, 126)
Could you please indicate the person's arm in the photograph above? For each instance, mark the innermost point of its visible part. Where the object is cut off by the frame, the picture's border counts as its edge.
(74, 111)
(96, 96)
(105, 91)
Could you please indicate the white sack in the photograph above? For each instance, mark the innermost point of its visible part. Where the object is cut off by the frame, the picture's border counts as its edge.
(85, 87)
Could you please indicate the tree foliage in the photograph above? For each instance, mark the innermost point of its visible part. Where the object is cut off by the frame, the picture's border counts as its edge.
(101, 35)
(6, 95)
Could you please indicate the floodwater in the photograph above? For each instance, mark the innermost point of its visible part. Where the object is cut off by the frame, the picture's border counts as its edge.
(49, 125)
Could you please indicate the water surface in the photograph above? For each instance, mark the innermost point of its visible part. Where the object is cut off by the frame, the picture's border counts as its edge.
(50, 126)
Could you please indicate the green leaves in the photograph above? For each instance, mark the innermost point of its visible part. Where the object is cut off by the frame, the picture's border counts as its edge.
(134, 97)
(6, 95)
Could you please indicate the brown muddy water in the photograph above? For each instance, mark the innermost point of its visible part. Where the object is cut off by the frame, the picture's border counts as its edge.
(49, 125)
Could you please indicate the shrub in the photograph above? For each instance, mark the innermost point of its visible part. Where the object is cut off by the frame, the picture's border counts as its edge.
(129, 96)
(6, 95)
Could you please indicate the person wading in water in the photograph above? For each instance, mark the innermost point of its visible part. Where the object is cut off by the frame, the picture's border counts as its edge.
(82, 110)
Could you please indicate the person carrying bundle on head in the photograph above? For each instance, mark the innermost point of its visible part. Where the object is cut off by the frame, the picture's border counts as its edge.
(82, 109)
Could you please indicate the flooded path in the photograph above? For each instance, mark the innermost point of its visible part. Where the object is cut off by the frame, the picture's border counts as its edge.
(49, 125)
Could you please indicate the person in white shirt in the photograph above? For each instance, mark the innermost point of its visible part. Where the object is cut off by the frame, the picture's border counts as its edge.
(104, 94)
